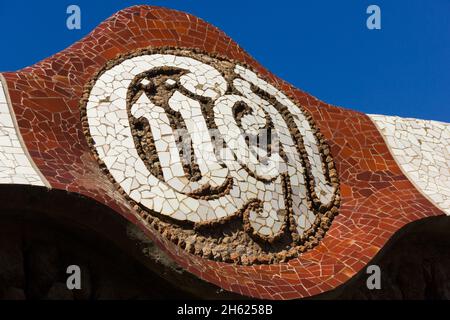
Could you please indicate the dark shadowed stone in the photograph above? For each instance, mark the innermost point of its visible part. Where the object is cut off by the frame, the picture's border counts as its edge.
(12, 293)
(59, 291)
(117, 261)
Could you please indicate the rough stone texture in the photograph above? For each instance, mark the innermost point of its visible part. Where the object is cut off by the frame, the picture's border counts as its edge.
(40, 240)
(15, 164)
(38, 251)
(47, 250)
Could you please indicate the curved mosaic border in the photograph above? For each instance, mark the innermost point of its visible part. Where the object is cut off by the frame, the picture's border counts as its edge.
(422, 150)
(187, 236)
(16, 164)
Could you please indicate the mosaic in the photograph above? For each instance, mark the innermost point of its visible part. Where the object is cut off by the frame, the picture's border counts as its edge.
(219, 161)
(422, 149)
(376, 196)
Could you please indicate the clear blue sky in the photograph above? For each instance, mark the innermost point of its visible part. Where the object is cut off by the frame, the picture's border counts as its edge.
(320, 46)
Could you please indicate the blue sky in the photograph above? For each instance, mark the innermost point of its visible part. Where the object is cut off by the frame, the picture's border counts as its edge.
(321, 46)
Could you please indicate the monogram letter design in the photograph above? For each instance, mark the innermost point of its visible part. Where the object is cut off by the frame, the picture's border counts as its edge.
(217, 159)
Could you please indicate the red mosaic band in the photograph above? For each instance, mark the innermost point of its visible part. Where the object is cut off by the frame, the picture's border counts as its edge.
(376, 198)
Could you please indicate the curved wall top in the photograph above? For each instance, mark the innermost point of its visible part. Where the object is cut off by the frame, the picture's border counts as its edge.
(161, 116)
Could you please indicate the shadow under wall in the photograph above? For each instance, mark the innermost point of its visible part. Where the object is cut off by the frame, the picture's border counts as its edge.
(43, 232)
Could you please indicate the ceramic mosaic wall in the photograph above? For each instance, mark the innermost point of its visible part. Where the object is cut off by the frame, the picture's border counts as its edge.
(291, 218)
(422, 149)
(15, 166)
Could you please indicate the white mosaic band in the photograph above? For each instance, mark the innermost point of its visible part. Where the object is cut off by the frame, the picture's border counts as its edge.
(16, 166)
(422, 150)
